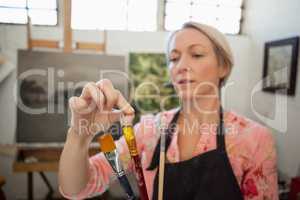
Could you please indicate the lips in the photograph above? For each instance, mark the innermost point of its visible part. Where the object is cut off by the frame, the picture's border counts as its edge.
(185, 81)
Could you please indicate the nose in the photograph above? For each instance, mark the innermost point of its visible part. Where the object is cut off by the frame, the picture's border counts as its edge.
(183, 65)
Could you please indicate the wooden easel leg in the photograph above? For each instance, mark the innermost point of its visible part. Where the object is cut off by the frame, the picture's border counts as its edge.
(2, 195)
(30, 185)
(50, 189)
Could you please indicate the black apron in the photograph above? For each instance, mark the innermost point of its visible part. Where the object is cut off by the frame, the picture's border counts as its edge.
(208, 176)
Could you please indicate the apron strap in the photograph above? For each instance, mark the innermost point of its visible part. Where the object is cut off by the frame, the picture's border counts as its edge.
(221, 133)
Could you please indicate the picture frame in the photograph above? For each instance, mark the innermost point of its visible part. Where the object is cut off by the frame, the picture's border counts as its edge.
(280, 66)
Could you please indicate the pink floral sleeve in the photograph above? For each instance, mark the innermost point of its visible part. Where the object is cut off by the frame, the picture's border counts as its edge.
(260, 179)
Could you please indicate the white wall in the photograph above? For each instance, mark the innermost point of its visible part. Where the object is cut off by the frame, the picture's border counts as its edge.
(269, 20)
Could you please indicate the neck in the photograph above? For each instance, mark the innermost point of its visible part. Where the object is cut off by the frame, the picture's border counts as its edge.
(203, 110)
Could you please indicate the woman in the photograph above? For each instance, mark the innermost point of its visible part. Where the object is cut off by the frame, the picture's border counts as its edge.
(237, 160)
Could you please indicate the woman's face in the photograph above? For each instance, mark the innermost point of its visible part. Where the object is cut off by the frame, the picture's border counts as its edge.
(193, 65)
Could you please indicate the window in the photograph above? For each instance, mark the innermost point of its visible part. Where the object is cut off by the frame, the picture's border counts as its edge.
(40, 12)
(133, 15)
(225, 15)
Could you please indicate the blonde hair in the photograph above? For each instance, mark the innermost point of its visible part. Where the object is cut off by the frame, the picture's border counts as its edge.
(220, 44)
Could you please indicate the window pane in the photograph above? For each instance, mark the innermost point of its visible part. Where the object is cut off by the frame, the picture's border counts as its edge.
(176, 15)
(174, 22)
(229, 13)
(11, 15)
(13, 3)
(179, 1)
(234, 3)
(211, 21)
(42, 4)
(207, 2)
(43, 17)
(222, 14)
(212, 12)
(98, 14)
(113, 15)
(204, 12)
(228, 26)
(83, 14)
(142, 15)
(175, 9)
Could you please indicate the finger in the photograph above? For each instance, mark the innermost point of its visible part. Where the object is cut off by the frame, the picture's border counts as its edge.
(108, 90)
(91, 91)
(125, 107)
(80, 105)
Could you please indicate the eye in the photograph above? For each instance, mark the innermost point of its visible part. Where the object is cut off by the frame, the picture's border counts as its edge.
(197, 55)
(173, 59)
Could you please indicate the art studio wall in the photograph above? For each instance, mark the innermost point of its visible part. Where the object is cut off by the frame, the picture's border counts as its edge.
(264, 24)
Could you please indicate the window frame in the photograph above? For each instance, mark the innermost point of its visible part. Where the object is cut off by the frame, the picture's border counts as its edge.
(27, 9)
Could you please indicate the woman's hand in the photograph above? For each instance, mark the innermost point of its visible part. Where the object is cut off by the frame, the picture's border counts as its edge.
(93, 110)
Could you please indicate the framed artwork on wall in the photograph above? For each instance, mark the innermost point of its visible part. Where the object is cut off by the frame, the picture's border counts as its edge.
(151, 92)
(280, 65)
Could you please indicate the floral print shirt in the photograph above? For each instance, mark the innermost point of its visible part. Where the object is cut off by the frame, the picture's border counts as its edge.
(250, 148)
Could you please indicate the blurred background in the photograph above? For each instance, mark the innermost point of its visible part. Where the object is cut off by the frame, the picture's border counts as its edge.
(50, 48)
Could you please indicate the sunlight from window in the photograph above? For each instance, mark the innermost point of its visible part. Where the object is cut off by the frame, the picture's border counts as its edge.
(41, 12)
(225, 15)
(133, 15)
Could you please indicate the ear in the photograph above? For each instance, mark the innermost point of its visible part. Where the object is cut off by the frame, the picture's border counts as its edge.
(223, 71)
